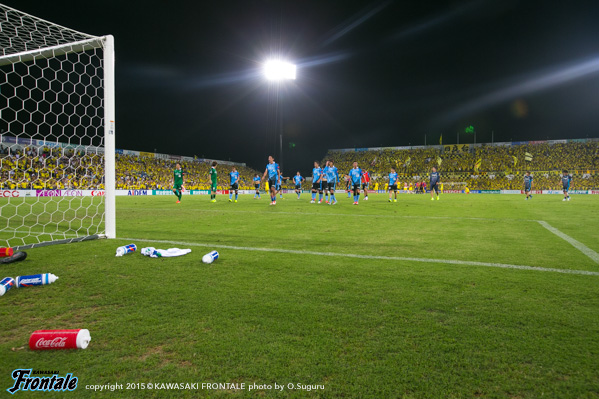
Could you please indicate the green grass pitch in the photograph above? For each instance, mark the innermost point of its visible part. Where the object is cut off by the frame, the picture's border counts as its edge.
(333, 301)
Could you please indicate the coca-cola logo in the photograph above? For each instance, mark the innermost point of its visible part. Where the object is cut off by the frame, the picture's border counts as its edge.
(58, 342)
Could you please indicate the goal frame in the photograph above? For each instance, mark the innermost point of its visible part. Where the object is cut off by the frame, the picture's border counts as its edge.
(108, 67)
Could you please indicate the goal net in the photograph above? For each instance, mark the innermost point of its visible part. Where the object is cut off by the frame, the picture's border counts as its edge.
(57, 133)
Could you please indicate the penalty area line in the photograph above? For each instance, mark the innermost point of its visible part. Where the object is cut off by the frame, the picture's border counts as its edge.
(358, 256)
(576, 244)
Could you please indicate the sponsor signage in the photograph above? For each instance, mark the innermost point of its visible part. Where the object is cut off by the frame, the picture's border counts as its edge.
(62, 193)
(48, 193)
(72, 193)
(166, 192)
(9, 193)
(138, 192)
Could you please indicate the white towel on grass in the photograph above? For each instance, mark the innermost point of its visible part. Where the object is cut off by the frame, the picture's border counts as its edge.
(164, 253)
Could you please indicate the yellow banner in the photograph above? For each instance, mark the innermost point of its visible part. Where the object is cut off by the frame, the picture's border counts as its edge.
(146, 154)
(478, 164)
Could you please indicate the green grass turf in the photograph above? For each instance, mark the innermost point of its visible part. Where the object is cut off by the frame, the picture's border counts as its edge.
(362, 328)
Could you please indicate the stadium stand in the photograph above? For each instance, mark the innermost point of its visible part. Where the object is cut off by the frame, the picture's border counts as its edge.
(478, 167)
(55, 168)
(483, 166)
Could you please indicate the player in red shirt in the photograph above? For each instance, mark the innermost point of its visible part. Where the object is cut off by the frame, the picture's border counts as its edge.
(365, 183)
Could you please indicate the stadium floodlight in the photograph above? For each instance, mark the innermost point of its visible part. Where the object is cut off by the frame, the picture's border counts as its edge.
(276, 70)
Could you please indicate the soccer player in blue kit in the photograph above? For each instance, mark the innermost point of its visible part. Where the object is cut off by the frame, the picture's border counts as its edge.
(234, 175)
(324, 183)
(355, 176)
(566, 179)
(435, 180)
(316, 179)
(528, 185)
(333, 179)
(393, 184)
(298, 180)
(257, 186)
(273, 172)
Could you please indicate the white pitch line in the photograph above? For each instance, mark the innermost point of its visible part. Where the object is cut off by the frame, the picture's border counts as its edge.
(576, 244)
(393, 258)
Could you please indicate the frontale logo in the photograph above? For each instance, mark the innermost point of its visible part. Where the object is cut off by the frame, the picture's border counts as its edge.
(56, 383)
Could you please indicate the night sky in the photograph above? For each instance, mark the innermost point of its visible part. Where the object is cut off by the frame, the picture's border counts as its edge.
(370, 74)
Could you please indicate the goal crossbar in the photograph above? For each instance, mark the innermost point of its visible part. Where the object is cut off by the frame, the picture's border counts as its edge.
(54, 51)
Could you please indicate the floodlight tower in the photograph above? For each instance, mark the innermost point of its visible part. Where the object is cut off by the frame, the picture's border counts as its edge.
(277, 71)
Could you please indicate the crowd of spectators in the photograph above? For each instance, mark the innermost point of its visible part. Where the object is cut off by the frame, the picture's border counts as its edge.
(140, 173)
(37, 168)
(482, 167)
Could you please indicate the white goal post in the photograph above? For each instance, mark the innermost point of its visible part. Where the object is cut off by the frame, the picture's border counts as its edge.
(57, 133)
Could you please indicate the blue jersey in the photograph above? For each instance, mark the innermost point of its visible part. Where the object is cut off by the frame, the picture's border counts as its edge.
(392, 178)
(566, 181)
(325, 173)
(273, 170)
(434, 178)
(316, 172)
(297, 179)
(234, 177)
(256, 180)
(355, 175)
(527, 181)
(333, 174)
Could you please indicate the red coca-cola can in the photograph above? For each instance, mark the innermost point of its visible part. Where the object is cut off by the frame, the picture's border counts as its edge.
(59, 339)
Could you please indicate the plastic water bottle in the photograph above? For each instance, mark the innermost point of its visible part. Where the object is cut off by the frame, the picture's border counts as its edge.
(210, 257)
(35, 279)
(6, 284)
(125, 249)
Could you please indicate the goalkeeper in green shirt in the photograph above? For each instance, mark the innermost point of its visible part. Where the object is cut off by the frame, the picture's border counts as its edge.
(178, 182)
(213, 180)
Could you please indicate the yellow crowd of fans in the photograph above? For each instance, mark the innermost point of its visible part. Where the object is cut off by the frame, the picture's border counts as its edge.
(44, 168)
(478, 168)
(54, 168)
(140, 173)
(481, 168)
